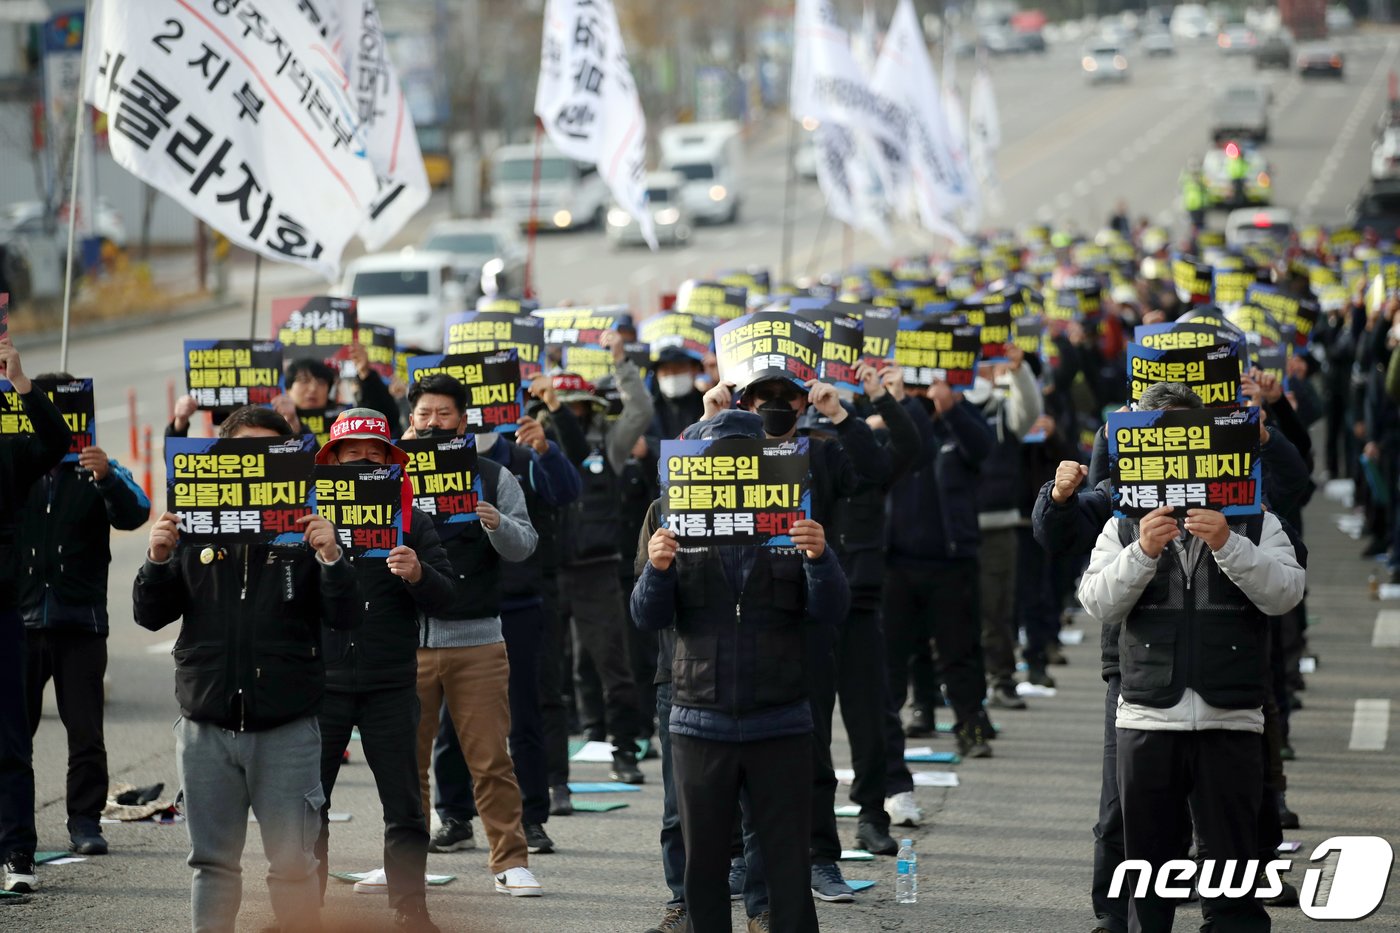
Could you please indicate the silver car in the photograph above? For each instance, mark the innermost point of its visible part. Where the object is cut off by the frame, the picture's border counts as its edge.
(669, 216)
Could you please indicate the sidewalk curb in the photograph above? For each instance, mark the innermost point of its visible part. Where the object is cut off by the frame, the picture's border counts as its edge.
(108, 328)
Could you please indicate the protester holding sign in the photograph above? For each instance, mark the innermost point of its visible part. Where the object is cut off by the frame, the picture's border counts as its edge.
(751, 730)
(249, 680)
(1192, 609)
(371, 682)
(23, 460)
(65, 527)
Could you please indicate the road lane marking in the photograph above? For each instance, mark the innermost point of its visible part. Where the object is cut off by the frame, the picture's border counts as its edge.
(1387, 633)
(1364, 102)
(1370, 725)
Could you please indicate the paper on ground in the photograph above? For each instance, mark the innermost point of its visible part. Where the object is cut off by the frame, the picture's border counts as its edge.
(601, 787)
(1034, 690)
(377, 877)
(856, 855)
(1389, 591)
(927, 755)
(859, 885)
(600, 752)
(1307, 665)
(848, 810)
(1071, 636)
(935, 779)
(69, 860)
(598, 806)
(845, 775)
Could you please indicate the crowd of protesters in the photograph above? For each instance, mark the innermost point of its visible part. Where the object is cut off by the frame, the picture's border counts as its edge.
(949, 536)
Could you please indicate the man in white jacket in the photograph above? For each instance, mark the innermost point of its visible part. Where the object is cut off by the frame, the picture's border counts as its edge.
(1193, 601)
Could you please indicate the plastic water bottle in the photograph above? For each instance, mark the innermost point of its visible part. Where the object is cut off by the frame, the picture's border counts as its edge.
(906, 883)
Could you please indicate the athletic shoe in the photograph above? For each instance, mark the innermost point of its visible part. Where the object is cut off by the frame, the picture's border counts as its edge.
(1004, 696)
(518, 882)
(19, 874)
(624, 769)
(829, 886)
(537, 839)
(872, 838)
(375, 882)
(675, 920)
(759, 924)
(560, 803)
(738, 877)
(921, 723)
(1288, 897)
(1040, 677)
(88, 842)
(454, 836)
(903, 810)
(1287, 819)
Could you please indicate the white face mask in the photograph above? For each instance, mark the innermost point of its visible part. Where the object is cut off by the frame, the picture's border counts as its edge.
(676, 385)
(484, 442)
(980, 392)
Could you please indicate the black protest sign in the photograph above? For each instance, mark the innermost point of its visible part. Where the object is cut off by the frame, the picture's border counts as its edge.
(378, 341)
(495, 399)
(366, 504)
(320, 326)
(1028, 334)
(579, 331)
(318, 423)
(712, 299)
(1193, 280)
(489, 331)
(843, 341)
(72, 397)
(1273, 361)
(1229, 286)
(505, 305)
(239, 490)
(638, 354)
(931, 350)
(880, 328)
(1261, 327)
(228, 374)
(693, 336)
(992, 317)
(444, 477)
(768, 345)
(756, 280)
(734, 491)
(1179, 336)
(1299, 313)
(1213, 373)
(1185, 458)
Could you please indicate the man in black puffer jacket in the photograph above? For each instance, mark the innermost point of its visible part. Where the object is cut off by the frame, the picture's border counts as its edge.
(249, 679)
(372, 676)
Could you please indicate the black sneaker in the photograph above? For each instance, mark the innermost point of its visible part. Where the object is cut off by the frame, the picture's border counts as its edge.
(624, 769)
(1287, 819)
(1004, 696)
(738, 877)
(19, 874)
(1056, 656)
(828, 884)
(537, 839)
(921, 723)
(972, 740)
(674, 921)
(87, 842)
(873, 838)
(560, 802)
(1288, 897)
(454, 836)
(414, 918)
(1040, 677)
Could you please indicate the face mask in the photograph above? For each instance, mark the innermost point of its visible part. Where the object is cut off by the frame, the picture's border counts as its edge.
(676, 385)
(980, 392)
(436, 431)
(362, 462)
(484, 442)
(778, 418)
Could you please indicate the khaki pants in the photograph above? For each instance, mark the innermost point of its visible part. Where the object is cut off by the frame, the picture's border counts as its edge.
(475, 683)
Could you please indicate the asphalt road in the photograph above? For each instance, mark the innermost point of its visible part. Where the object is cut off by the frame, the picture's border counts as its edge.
(1008, 850)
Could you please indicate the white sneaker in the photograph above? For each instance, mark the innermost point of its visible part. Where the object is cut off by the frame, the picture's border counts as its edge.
(518, 882)
(374, 882)
(903, 810)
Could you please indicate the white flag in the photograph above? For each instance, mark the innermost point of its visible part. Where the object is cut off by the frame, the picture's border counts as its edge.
(228, 110)
(904, 73)
(850, 180)
(354, 35)
(984, 138)
(588, 102)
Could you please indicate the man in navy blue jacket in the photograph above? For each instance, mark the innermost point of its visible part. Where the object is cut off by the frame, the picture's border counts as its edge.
(932, 586)
(742, 611)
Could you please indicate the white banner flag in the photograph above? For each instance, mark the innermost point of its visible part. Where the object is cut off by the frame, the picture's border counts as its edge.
(849, 177)
(588, 102)
(937, 171)
(354, 34)
(229, 110)
(984, 139)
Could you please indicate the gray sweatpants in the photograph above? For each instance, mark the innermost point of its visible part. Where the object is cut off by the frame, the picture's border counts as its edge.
(278, 773)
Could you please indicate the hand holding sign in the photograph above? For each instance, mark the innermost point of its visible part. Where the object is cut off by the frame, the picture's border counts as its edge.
(1208, 525)
(283, 405)
(1156, 530)
(320, 535)
(612, 340)
(165, 534)
(10, 366)
(824, 398)
(94, 459)
(943, 397)
(488, 515)
(403, 562)
(662, 548)
(531, 434)
(185, 407)
(718, 399)
(870, 381)
(809, 536)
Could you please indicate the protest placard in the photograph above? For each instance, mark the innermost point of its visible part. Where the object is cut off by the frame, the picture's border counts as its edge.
(1192, 279)
(1273, 361)
(942, 349)
(378, 341)
(579, 331)
(1290, 310)
(712, 299)
(1229, 286)
(506, 305)
(239, 490)
(72, 397)
(368, 506)
(444, 477)
(843, 341)
(1178, 336)
(318, 423)
(228, 374)
(1077, 298)
(735, 490)
(1188, 459)
(321, 327)
(694, 336)
(486, 331)
(1261, 328)
(1213, 373)
(880, 327)
(992, 318)
(495, 398)
(1028, 333)
(768, 345)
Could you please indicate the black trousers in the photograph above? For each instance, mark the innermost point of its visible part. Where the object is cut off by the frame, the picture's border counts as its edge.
(996, 560)
(552, 680)
(1111, 912)
(937, 599)
(819, 643)
(641, 653)
(1037, 604)
(776, 775)
(16, 742)
(590, 598)
(1166, 779)
(76, 661)
(388, 721)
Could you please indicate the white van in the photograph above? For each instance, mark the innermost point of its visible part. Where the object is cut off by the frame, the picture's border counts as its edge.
(571, 194)
(708, 156)
(1191, 21)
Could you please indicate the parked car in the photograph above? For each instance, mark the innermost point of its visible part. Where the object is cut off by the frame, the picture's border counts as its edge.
(669, 216)
(411, 291)
(487, 255)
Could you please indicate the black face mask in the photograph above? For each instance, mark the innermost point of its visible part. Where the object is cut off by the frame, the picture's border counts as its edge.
(779, 418)
(362, 462)
(437, 432)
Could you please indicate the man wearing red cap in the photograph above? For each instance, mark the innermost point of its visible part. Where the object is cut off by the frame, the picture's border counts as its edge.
(371, 675)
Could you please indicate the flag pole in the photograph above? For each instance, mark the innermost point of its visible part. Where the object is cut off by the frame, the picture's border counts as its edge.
(73, 191)
(257, 284)
(534, 211)
(787, 199)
